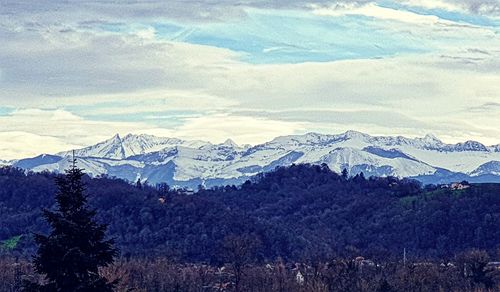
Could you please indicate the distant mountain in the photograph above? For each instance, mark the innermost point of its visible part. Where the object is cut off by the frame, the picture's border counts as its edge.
(190, 163)
(489, 168)
(130, 145)
(40, 160)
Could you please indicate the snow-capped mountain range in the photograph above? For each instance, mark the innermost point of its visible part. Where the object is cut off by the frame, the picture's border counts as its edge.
(190, 163)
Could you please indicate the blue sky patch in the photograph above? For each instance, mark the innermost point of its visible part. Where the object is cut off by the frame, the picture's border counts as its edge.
(295, 38)
(4, 111)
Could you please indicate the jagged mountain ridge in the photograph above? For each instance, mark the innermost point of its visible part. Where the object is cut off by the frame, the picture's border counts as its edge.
(189, 163)
(121, 148)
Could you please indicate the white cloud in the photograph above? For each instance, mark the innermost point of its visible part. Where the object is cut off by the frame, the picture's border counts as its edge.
(242, 129)
(484, 7)
(33, 131)
(149, 101)
(83, 63)
(26, 132)
(434, 4)
(373, 10)
(433, 89)
(193, 11)
(16, 144)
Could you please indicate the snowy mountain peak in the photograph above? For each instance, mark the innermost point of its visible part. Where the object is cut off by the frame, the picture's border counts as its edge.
(131, 145)
(355, 135)
(470, 146)
(117, 138)
(111, 148)
(430, 138)
(230, 143)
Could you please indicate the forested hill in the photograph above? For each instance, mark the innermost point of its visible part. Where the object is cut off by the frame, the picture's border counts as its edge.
(299, 212)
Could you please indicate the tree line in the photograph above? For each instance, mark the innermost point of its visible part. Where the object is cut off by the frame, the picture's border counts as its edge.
(295, 213)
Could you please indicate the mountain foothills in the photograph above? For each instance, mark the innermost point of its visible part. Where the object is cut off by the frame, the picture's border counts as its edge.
(301, 212)
(192, 163)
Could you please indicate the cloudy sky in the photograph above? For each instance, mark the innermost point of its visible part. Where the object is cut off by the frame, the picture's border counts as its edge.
(75, 72)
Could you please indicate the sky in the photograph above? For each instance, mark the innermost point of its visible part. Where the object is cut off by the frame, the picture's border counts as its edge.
(75, 72)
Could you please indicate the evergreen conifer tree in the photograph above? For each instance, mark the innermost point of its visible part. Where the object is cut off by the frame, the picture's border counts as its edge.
(71, 255)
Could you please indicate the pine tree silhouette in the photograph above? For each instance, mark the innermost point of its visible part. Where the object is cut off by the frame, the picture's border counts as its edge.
(70, 257)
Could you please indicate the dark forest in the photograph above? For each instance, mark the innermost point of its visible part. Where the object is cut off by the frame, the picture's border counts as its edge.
(299, 214)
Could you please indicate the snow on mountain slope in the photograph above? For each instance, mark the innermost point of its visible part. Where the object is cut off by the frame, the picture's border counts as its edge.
(126, 169)
(203, 162)
(341, 158)
(111, 148)
(457, 161)
(118, 148)
(89, 165)
(192, 162)
(31, 163)
(461, 157)
(492, 167)
(140, 144)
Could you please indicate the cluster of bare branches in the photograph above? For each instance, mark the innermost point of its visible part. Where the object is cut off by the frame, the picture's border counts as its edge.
(471, 271)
